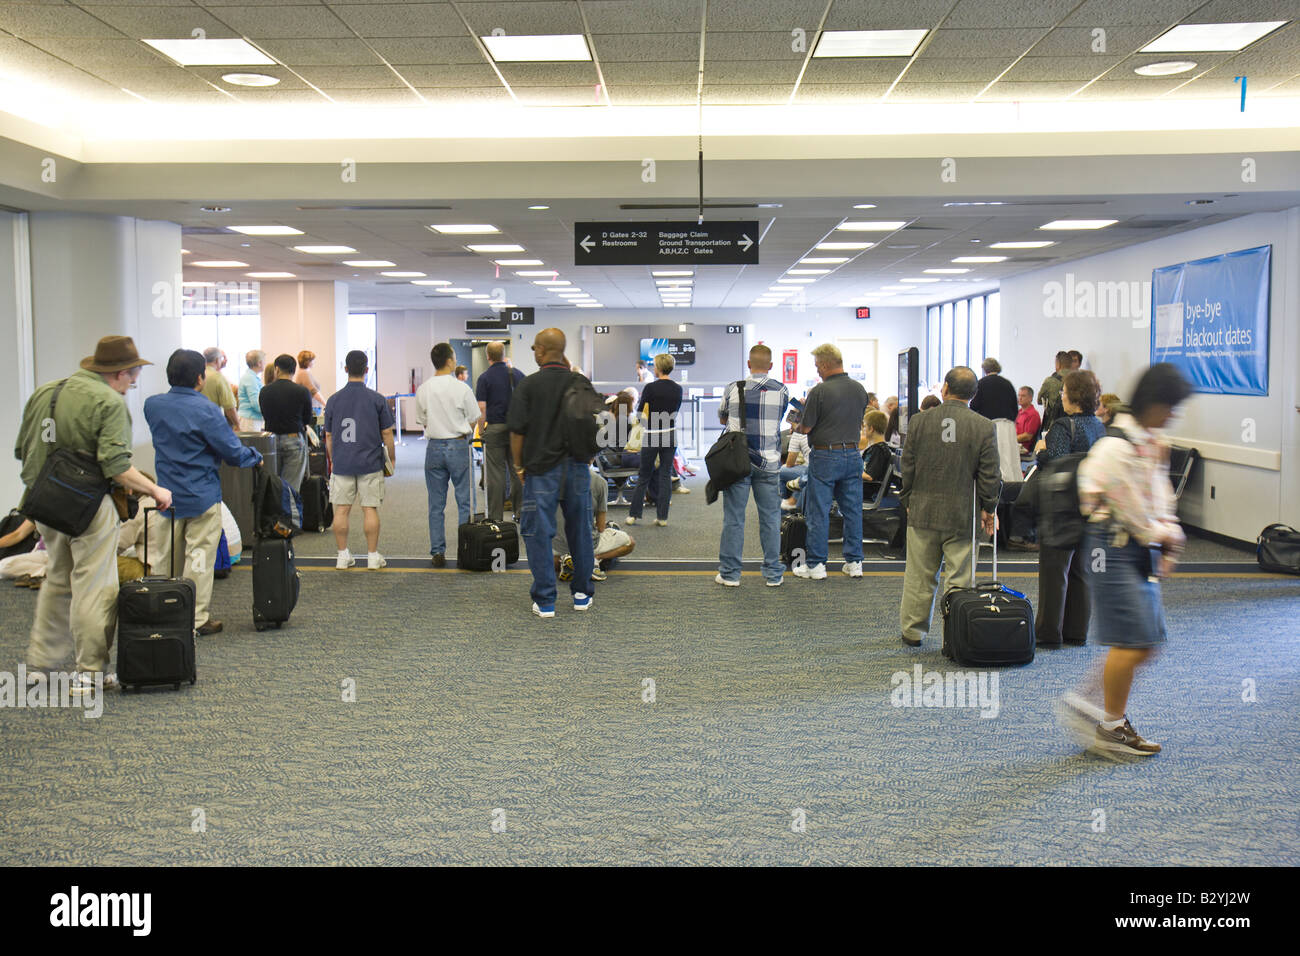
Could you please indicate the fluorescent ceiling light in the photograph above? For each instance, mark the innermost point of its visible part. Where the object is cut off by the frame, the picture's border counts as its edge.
(1209, 37)
(924, 279)
(403, 275)
(536, 272)
(197, 285)
(865, 43)
(1030, 244)
(807, 272)
(472, 229)
(250, 79)
(796, 280)
(266, 230)
(368, 263)
(571, 293)
(211, 52)
(1079, 224)
(499, 247)
(550, 48)
(474, 295)
(538, 208)
(221, 264)
(430, 282)
(552, 282)
(518, 262)
(819, 260)
(868, 225)
(980, 259)
(663, 282)
(1167, 68)
(836, 246)
(865, 205)
(590, 305)
(270, 275)
(671, 272)
(945, 272)
(456, 288)
(325, 250)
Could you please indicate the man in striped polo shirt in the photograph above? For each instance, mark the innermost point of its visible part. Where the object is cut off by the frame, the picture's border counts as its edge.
(765, 401)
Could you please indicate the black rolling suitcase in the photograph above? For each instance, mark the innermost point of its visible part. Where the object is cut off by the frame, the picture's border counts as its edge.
(316, 462)
(1278, 549)
(317, 512)
(794, 537)
(155, 627)
(987, 624)
(275, 582)
(480, 541)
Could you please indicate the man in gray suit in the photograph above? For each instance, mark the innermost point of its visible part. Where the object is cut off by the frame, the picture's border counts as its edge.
(949, 453)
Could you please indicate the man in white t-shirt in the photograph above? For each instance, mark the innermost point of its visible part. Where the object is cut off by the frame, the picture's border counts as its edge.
(447, 410)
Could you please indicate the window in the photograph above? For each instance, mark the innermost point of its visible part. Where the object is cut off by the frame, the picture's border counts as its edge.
(236, 335)
(992, 336)
(977, 352)
(945, 339)
(932, 344)
(960, 334)
(361, 336)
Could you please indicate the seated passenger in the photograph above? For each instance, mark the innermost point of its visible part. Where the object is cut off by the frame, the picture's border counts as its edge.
(609, 542)
(878, 456)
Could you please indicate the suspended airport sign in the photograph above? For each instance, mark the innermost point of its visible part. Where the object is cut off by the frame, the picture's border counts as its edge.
(665, 243)
(518, 316)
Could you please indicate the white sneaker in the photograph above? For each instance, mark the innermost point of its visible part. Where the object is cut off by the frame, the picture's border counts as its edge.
(815, 572)
(789, 505)
(852, 568)
(660, 524)
(630, 520)
(776, 583)
(345, 560)
(84, 682)
(376, 561)
(719, 579)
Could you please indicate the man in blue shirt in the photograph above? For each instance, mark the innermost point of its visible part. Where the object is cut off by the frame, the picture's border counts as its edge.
(493, 391)
(358, 430)
(191, 438)
(766, 401)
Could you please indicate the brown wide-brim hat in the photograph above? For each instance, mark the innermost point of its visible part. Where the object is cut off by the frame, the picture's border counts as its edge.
(114, 353)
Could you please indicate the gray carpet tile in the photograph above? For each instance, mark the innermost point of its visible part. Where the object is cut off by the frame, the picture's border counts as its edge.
(767, 701)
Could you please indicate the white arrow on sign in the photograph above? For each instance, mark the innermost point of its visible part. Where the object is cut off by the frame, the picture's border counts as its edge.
(747, 243)
(586, 244)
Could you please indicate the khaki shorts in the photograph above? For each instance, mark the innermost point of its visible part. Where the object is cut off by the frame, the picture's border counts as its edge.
(346, 489)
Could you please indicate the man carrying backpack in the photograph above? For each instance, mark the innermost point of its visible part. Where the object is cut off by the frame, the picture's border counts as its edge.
(544, 430)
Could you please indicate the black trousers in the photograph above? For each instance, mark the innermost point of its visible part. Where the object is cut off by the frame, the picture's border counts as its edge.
(1064, 604)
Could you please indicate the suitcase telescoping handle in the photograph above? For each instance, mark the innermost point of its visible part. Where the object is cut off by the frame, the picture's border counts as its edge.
(974, 537)
(171, 558)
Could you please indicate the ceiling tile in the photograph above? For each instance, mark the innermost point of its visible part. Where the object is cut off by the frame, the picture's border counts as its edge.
(1038, 90)
(28, 21)
(1079, 41)
(162, 22)
(431, 51)
(889, 15)
(1239, 11)
(1222, 84)
(1277, 53)
(751, 46)
(549, 74)
(650, 74)
(746, 95)
(646, 47)
(1130, 87)
(296, 53)
(982, 43)
(282, 22)
(402, 19)
(1000, 13)
(1061, 68)
(526, 18)
(458, 74)
(874, 69)
(840, 93)
(155, 79)
(760, 72)
(559, 96)
(654, 95)
(352, 77)
(373, 97)
(469, 94)
(959, 70)
(935, 92)
(662, 16)
(106, 52)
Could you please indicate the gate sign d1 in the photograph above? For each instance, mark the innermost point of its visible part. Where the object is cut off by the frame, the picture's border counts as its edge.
(665, 243)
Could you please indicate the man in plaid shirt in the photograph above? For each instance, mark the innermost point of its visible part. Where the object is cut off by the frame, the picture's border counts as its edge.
(765, 401)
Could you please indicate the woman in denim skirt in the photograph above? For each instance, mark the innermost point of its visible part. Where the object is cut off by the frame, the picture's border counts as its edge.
(1133, 541)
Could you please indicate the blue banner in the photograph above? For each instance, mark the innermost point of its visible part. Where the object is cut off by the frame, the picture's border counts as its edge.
(1210, 318)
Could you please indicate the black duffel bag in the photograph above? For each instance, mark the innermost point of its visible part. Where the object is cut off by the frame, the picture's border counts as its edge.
(1278, 549)
(71, 486)
(728, 460)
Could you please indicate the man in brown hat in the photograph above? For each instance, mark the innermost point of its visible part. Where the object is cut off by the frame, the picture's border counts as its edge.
(77, 608)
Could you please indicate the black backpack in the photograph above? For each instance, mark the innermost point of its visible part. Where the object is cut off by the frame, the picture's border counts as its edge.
(8, 525)
(576, 418)
(728, 460)
(1060, 522)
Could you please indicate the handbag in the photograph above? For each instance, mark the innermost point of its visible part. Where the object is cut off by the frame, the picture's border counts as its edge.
(728, 460)
(67, 493)
(635, 436)
(1278, 549)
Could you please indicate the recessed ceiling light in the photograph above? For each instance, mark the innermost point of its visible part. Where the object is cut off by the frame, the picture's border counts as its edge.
(980, 259)
(671, 272)
(518, 262)
(190, 52)
(552, 282)
(807, 272)
(451, 289)
(796, 280)
(430, 282)
(270, 275)
(1166, 68)
(215, 208)
(250, 79)
(674, 281)
(266, 230)
(470, 229)
(539, 208)
(1079, 224)
(982, 202)
(536, 272)
(864, 43)
(1029, 244)
(197, 285)
(550, 48)
(819, 260)
(221, 264)
(1210, 37)
(368, 263)
(570, 294)
(836, 246)
(922, 279)
(945, 271)
(325, 250)
(403, 275)
(590, 305)
(865, 205)
(1198, 202)
(866, 225)
(497, 247)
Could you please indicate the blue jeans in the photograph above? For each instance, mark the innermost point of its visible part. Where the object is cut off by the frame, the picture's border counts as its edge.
(291, 460)
(834, 472)
(567, 486)
(663, 493)
(767, 499)
(445, 459)
(790, 474)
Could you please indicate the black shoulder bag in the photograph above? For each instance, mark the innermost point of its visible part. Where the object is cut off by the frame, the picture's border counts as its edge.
(67, 493)
(728, 460)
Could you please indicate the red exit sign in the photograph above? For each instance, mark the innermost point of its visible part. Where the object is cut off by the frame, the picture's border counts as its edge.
(864, 312)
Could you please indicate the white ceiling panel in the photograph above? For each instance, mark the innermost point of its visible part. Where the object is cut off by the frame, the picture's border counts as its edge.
(889, 14)
(872, 70)
(955, 70)
(298, 53)
(1024, 13)
(351, 77)
(402, 19)
(458, 74)
(637, 16)
(162, 22)
(431, 50)
(1079, 41)
(31, 21)
(1055, 69)
(1108, 13)
(549, 74)
(646, 47)
(751, 46)
(982, 43)
(524, 18)
(284, 22)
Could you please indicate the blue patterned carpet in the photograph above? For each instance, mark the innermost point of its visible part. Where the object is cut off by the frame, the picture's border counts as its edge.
(767, 702)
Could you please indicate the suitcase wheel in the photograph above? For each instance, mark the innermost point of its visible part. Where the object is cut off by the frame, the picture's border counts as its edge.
(176, 686)
(279, 624)
(260, 626)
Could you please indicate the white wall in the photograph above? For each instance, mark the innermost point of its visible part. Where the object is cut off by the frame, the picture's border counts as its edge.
(1255, 482)
(15, 340)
